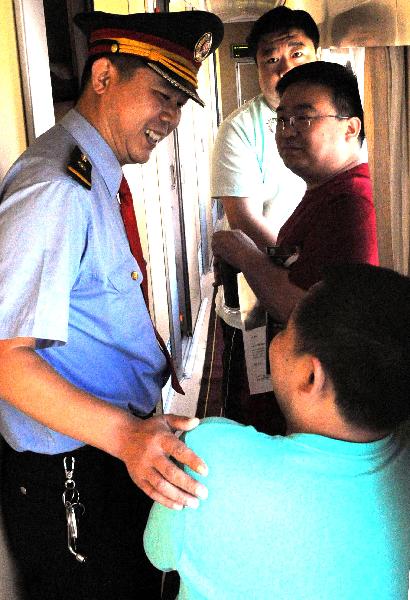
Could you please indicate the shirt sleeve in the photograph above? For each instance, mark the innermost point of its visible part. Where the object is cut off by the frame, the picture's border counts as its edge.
(344, 231)
(43, 229)
(168, 532)
(163, 537)
(235, 167)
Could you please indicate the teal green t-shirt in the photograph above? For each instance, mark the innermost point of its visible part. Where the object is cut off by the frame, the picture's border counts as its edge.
(302, 517)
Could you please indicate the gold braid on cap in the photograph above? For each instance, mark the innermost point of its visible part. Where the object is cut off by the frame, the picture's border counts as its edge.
(174, 62)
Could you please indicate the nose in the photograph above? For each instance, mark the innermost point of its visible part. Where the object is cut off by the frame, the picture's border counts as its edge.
(286, 132)
(171, 115)
(283, 66)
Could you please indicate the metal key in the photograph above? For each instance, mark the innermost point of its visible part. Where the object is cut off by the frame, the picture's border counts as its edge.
(73, 508)
(72, 527)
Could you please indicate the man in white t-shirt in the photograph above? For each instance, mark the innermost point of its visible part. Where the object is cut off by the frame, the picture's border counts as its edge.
(257, 191)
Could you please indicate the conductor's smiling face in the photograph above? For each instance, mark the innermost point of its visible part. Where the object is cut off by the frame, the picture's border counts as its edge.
(139, 112)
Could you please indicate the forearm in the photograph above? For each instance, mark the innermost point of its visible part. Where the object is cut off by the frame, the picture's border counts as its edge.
(269, 282)
(34, 387)
(257, 228)
(242, 214)
(271, 285)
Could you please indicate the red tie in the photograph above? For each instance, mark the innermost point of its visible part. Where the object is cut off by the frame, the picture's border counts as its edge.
(131, 229)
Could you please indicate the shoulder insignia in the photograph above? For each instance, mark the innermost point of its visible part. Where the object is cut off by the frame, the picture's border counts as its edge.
(80, 167)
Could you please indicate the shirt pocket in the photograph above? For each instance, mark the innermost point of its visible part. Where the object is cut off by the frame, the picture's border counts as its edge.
(125, 276)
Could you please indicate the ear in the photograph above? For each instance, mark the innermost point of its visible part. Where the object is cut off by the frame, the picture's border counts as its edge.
(318, 53)
(102, 73)
(314, 379)
(354, 126)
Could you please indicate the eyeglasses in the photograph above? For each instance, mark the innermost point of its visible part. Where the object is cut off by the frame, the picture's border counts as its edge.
(300, 123)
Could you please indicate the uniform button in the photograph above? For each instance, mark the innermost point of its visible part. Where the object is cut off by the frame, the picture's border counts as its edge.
(23, 490)
(134, 275)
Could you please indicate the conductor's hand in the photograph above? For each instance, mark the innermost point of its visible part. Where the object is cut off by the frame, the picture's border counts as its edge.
(147, 454)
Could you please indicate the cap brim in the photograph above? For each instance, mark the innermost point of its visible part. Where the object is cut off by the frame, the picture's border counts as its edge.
(176, 82)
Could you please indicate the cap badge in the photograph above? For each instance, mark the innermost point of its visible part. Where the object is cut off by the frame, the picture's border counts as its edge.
(203, 47)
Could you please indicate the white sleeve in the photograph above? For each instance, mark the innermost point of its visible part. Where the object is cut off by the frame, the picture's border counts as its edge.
(235, 166)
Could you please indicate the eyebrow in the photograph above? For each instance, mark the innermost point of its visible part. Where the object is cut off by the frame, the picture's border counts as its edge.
(290, 44)
(305, 106)
(167, 88)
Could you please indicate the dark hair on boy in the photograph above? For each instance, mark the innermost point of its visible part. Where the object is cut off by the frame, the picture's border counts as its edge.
(281, 20)
(339, 80)
(356, 321)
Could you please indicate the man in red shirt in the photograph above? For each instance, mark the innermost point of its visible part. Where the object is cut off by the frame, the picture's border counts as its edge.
(319, 133)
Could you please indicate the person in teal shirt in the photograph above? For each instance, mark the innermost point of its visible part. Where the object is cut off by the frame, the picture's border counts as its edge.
(323, 512)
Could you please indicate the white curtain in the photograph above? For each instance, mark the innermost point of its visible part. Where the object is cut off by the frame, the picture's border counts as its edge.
(387, 124)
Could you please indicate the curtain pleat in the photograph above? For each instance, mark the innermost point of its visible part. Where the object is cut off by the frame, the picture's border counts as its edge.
(387, 118)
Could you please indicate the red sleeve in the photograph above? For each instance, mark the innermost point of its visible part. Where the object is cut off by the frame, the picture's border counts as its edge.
(344, 231)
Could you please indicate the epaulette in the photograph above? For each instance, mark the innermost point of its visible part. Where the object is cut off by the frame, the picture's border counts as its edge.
(80, 167)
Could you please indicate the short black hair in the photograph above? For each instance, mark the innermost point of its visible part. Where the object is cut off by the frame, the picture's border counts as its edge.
(357, 323)
(125, 64)
(280, 20)
(339, 80)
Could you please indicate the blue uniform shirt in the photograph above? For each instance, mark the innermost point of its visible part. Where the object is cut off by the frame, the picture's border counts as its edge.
(65, 279)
